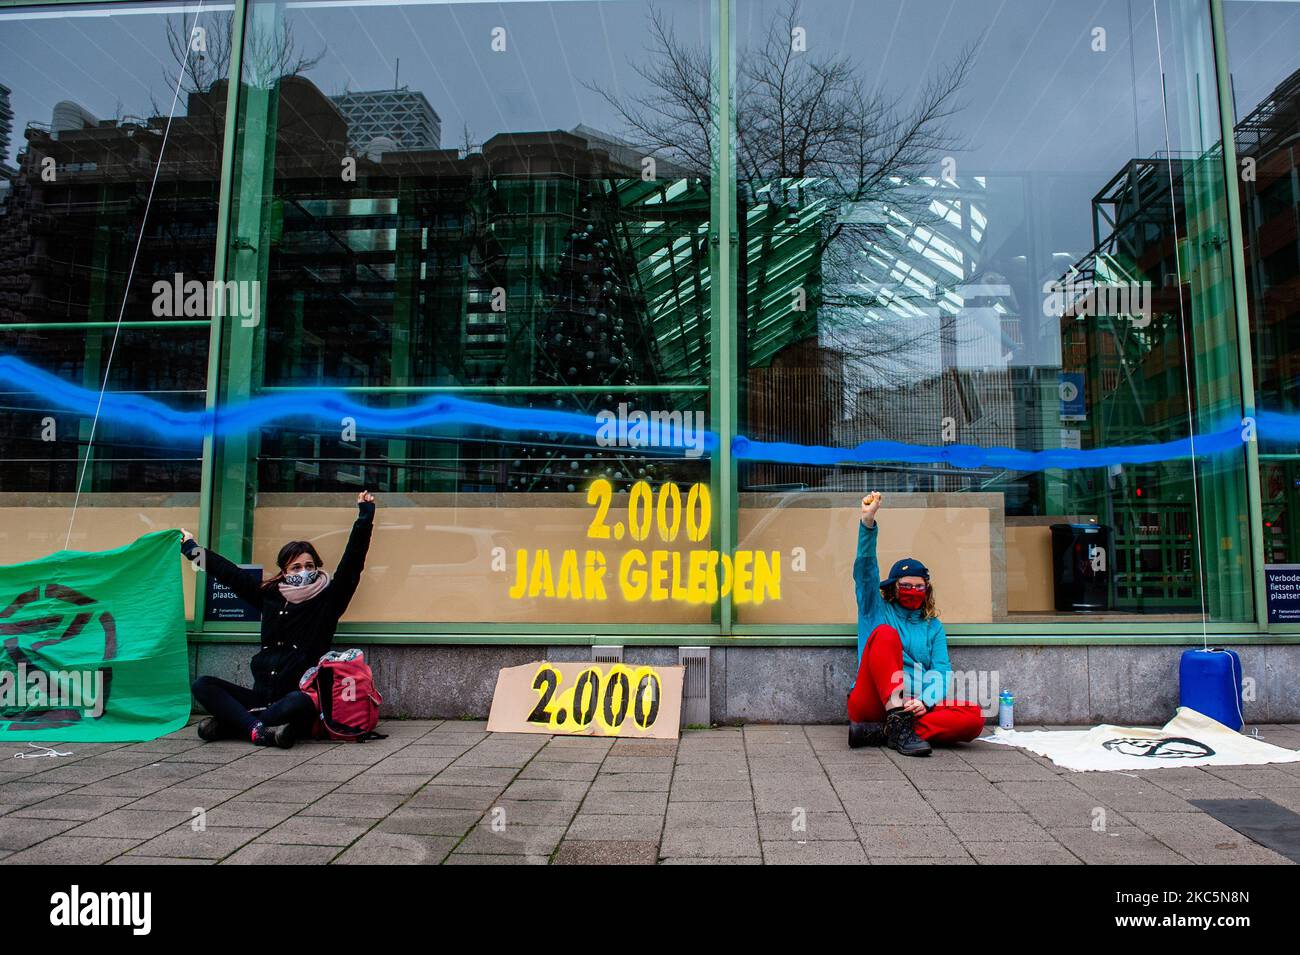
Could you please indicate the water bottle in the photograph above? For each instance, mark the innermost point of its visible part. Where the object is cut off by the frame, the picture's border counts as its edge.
(1006, 706)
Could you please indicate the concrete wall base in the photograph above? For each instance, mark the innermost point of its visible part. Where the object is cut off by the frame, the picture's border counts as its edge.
(1083, 685)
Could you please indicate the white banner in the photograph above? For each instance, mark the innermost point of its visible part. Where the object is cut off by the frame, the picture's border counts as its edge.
(1189, 739)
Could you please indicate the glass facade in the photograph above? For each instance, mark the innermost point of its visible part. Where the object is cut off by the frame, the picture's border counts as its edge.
(1265, 122)
(990, 258)
(910, 203)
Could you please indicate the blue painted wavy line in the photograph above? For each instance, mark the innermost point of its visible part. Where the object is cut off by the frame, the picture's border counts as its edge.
(1276, 428)
(445, 411)
(972, 456)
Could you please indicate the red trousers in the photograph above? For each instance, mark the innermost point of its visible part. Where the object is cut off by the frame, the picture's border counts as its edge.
(880, 673)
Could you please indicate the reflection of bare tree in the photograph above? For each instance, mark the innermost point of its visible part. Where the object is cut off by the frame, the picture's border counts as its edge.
(468, 143)
(204, 57)
(675, 117)
(825, 160)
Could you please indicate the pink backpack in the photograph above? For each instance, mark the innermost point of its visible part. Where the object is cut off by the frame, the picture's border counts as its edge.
(343, 689)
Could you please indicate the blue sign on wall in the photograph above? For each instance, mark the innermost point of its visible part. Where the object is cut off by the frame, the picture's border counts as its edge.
(1282, 585)
(222, 604)
(1072, 404)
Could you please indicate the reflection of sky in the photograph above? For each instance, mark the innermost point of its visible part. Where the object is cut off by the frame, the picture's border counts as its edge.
(1035, 85)
(445, 51)
(1045, 119)
(1262, 47)
(113, 65)
(119, 64)
(1042, 119)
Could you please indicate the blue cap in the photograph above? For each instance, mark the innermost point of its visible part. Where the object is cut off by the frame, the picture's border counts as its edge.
(907, 567)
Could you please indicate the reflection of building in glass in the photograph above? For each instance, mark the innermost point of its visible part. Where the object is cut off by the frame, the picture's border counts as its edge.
(67, 243)
(1134, 384)
(1267, 138)
(910, 336)
(6, 132)
(897, 305)
(80, 173)
(540, 260)
(380, 120)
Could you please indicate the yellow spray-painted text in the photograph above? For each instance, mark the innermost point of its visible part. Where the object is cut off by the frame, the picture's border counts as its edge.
(693, 577)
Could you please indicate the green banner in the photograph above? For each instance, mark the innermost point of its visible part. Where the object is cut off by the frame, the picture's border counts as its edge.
(92, 645)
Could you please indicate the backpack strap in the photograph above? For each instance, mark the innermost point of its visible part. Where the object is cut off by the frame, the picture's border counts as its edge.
(325, 681)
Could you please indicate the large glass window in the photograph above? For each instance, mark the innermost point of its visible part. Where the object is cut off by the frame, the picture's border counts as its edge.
(110, 149)
(479, 203)
(1265, 69)
(463, 235)
(971, 229)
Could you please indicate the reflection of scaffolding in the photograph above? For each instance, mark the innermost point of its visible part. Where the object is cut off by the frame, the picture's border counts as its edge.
(1133, 206)
(1134, 386)
(1276, 118)
(1268, 139)
(663, 231)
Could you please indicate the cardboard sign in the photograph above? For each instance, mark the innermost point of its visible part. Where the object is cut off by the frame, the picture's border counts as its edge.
(588, 699)
(222, 604)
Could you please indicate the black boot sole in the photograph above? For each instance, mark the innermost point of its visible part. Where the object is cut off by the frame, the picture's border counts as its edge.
(911, 752)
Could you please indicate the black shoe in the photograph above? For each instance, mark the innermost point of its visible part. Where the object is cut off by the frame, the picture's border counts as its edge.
(866, 734)
(900, 734)
(210, 730)
(281, 736)
(272, 736)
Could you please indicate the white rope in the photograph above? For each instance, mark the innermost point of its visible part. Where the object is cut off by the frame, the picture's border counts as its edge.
(130, 275)
(44, 751)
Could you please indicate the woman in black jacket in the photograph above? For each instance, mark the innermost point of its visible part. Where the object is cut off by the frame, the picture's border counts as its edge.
(301, 607)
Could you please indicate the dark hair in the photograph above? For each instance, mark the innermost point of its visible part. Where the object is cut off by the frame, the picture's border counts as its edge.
(287, 553)
(890, 593)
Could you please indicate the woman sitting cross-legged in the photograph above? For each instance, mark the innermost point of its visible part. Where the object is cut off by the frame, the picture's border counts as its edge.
(301, 607)
(902, 695)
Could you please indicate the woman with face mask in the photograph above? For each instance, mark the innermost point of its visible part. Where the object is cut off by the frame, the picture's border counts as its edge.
(301, 607)
(902, 697)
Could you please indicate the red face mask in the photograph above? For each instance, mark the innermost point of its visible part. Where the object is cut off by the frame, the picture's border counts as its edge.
(911, 599)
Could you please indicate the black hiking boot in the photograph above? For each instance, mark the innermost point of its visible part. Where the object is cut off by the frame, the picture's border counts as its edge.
(866, 734)
(900, 734)
(281, 736)
(210, 730)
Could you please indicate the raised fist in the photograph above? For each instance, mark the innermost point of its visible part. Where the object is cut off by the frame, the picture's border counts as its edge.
(870, 504)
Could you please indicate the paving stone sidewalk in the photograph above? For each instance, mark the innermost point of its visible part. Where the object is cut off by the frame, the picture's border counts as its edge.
(448, 792)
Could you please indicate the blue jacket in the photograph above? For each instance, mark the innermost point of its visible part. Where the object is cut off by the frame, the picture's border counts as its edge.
(927, 673)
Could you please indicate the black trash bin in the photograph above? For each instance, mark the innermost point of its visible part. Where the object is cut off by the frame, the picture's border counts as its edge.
(1081, 566)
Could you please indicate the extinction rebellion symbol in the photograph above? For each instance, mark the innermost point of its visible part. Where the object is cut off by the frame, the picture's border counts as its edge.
(34, 695)
(1171, 747)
